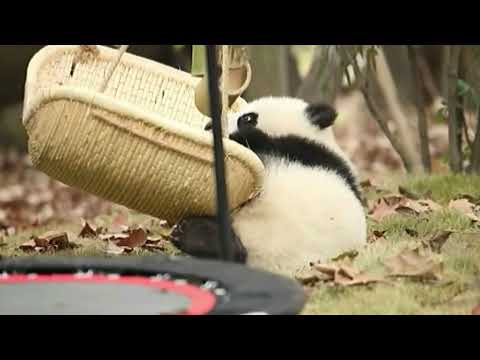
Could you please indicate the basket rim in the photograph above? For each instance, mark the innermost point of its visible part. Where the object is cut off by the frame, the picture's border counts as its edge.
(48, 52)
(109, 104)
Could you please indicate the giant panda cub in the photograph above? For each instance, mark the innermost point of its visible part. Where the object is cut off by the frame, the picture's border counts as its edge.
(309, 209)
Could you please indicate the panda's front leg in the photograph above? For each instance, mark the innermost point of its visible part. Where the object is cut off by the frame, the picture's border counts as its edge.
(199, 237)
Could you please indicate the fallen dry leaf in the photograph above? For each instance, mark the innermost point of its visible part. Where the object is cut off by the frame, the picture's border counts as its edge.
(344, 274)
(88, 231)
(362, 279)
(154, 244)
(430, 205)
(436, 243)
(470, 198)
(381, 209)
(377, 237)
(113, 237)
(52, 238)
(154, 247)
(161, 227)
(155, 239)
(410, 264)
(465, 207)
(395, 200)
(407, 210)
(349, 254)
(379, 233)
(411, 232)
(41, 242)
(407, 193)
(47, 242)
(308, 280)
(347, 271)
(136, 238)
(31, 246)
(416, 207)
(328, 270)
(395, 204)
(59, 241)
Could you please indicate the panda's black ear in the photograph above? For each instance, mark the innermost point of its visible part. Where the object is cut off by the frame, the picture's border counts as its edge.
(321, 115)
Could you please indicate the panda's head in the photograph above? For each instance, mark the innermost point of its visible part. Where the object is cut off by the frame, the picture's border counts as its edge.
(284, 116)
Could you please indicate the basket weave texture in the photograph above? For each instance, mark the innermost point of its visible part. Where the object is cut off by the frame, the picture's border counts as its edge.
(140, 143)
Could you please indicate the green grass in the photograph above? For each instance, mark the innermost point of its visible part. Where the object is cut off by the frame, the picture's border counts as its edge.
(445, 188)
(456, 293)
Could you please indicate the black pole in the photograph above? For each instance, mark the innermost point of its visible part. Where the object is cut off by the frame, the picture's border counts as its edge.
(223, 217)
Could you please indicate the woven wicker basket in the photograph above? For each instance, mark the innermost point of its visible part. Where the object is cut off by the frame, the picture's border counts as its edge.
(140, 143)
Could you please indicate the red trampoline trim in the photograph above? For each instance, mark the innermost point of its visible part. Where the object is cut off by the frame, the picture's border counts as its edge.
(201, 301)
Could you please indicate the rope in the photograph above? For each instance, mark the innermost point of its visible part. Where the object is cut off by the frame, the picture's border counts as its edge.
(225, 83)
(122, 50)
(92, 49)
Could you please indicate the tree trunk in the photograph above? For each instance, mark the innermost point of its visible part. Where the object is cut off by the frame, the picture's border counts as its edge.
(323, 80)
(454, 130)
(420, 105)
(270, 66)
(385, 83)
(437, 58)
(397, 58)
(295, 79)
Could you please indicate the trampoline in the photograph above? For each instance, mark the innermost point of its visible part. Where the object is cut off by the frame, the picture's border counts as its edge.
(156, 285)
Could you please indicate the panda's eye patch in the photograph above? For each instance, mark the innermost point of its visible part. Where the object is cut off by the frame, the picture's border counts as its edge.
(248, 120)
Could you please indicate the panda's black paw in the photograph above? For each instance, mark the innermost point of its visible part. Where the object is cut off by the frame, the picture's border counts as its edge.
(199, 237)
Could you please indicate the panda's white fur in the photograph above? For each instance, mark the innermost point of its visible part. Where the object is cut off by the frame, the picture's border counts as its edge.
(304, 214)
(283, 116)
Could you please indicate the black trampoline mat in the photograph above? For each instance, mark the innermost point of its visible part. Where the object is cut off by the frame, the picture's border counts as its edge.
(88, 299)
(142, 285)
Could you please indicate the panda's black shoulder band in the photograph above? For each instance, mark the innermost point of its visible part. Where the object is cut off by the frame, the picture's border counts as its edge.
(297, 149)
